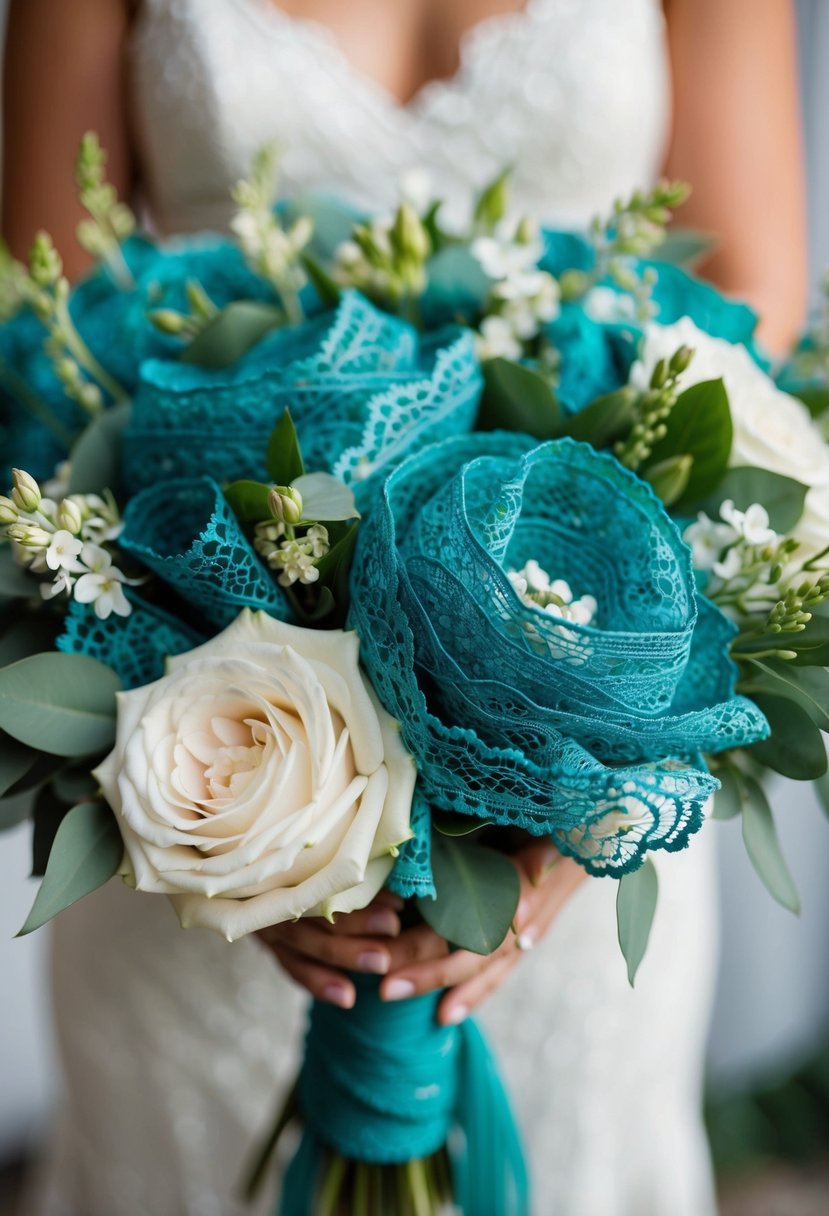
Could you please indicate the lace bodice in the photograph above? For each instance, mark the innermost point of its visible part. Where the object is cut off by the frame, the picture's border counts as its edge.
(572, 93)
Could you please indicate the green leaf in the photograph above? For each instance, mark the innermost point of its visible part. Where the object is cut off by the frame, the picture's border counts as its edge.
(763, 847)
(699, 425)
(47, 816)
(231, 334)
(335, 571)
(326, 288)
(14, 810)
(518, 399)
(669, 478)
(283, 459)
(44, 767)
(449, 824)
(96, 456)
(73, 785)
(807, 687)
(782, 497)
(795, 747)
(28, 636)
(87, 851)
(814, 396)
(325, 498)
(635, 908)
(248, 500)
(684, 247)
(728, 798)
(811, 645)
(15, 581)
(605, 420)
(477, 894)
(60, 703)
(822, 791)
(15, 761)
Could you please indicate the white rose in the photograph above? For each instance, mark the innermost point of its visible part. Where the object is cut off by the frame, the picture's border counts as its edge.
(772, 430)
(260, 780)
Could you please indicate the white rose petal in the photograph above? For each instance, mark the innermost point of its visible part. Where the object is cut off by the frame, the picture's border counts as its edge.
(260, 779)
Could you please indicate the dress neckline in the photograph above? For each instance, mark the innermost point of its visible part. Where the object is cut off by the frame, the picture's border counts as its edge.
(271, 18)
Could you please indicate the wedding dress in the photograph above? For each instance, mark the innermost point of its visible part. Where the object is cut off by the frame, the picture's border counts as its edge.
(176, 1046)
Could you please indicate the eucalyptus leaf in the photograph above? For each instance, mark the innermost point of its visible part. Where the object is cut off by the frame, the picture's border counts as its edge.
(73, 785)
(684, 247)
(782, 497)
(248, 500)
(477, 894)
(795, 747)
(635, 909)
(728, 798)
(43, 769)
(15, 761)
(283, 458)
(605, 420)
(325, 497)
(15, 582)
(95, 459)
(15, 810)
(63, 704)
(763, 847)
(326, 288)
(48, 814)
(516, 398)
(699, 425)
(86, 853)
(231, 334)
(808, 687)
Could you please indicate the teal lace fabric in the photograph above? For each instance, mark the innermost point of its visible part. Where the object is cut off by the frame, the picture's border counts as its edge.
(362, 387)
(589, 733)
(135, 647)
(184, 531)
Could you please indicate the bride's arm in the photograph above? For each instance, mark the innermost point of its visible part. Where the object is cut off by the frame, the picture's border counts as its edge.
(63, 75)
(736, 138)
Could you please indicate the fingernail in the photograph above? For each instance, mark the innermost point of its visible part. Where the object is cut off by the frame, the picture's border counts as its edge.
(338, 994)
(398, 990)
(374, 961)
(384, 922)
(521, 912)
(457, 1013)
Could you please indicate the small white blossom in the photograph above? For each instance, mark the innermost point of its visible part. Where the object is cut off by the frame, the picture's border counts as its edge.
(102, 586)
(496, 339)
(64, 551)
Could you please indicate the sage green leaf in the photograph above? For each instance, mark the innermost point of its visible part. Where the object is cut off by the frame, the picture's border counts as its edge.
(73, 785)
(728, 798)
(15, 810)
(605, 420)
(669, 479)
(815, 397)
(96, 456)
(635, 908)
(15, 582)
(87, 851)
(518, 399)
(15, 761)
(782, 497)
(684, 247)
(231, 334)
(43, 769)
(808, 687)
(325, 498)
(48, 814)
(326, 288)
(763, 847)
(699, 425)
(477, 894)
(248, 500)
(283, 459)
(28, 635)
(822, 791)
(63, 704)
(795, 747)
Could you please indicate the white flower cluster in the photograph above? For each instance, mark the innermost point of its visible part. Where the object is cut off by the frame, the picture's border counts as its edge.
(555, 598)
(293, 556)
(743, 557)
(64, 540)
(386, 257)
(522, 298)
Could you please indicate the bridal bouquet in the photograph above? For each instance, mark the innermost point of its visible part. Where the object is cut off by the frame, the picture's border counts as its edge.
(348, 552)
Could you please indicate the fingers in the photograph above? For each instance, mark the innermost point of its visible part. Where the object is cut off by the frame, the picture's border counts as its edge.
(460, 1001)
(416, 945)
(322, 982)
(376, 920)
(341, 950)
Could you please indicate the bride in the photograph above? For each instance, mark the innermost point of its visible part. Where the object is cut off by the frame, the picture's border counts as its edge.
(175, 1046)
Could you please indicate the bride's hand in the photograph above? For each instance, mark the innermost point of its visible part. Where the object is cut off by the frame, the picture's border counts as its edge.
(317, 954)
(422, 961)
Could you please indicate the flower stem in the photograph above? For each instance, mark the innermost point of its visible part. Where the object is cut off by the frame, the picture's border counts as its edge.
(332, 1186)
(78, 348)
(19, 389)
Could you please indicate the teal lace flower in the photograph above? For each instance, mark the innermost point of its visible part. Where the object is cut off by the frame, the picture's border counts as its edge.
(584, 720)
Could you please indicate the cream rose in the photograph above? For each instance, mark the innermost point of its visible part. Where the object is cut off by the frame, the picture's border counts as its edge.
(260, 780)
(772, 430)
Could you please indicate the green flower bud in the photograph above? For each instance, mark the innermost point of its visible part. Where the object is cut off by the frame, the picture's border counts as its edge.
(8, 511)
(573, 284)
(285, 504)
(29, 535)
(659, 376)
(168, 321)
(70, 516)
(409, 236)
(198, 299)
(91, 398)
(493, 202)
(681, 360)
(45, 265)
(26, 492)
(527, 231)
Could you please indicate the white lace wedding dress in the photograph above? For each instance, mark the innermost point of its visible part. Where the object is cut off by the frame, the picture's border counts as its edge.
(175, 1045)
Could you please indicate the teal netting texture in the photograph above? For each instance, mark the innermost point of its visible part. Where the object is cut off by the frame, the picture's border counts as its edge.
(135, 647)
(185, 532)
(591, 733)
(384, 1083)
(362, 387)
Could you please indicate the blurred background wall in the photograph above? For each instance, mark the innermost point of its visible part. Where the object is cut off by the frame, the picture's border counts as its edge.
(773, 1002)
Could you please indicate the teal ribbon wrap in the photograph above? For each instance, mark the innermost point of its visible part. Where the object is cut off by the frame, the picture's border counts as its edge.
(384, 1083)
